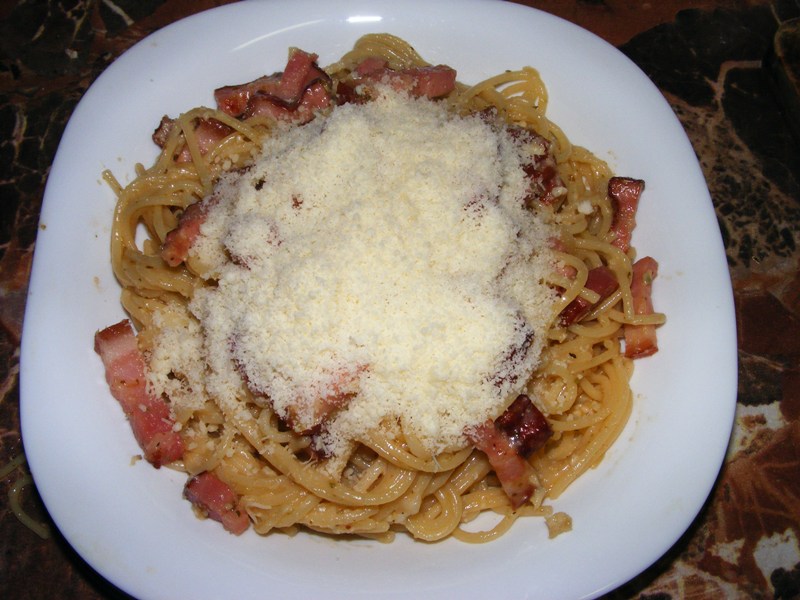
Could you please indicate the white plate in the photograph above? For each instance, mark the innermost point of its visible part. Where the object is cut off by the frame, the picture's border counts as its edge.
(129, 521)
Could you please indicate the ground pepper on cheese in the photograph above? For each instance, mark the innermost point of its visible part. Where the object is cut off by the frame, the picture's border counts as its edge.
(383, 252)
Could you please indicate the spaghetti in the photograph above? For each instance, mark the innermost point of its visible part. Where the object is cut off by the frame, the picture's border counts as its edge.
(280, 476)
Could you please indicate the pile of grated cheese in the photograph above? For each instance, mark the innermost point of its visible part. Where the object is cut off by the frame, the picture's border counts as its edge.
(384, 250)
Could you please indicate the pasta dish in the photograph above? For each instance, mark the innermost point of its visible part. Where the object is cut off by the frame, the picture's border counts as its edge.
(369, 298)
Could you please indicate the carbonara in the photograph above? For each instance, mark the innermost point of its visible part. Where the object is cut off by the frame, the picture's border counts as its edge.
(372, 299)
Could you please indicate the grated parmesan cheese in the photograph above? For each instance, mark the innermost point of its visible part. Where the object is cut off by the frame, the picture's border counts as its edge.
(383, 256)
(175, 365)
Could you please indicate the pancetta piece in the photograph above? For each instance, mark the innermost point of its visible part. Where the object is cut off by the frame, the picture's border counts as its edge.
(293, 95)
(624, 193)
(640, 340)
(179, 241)
(207, 132)
(148, 415)
(218, 501)
(508, 441)
(545, 185)
(600, 280)
(524, 425)
(315, 98)
(422, 82)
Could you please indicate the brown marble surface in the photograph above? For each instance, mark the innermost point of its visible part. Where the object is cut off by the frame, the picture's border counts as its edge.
(706, 56)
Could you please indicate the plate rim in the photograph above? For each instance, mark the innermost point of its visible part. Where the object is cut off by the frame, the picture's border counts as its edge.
(29, 352)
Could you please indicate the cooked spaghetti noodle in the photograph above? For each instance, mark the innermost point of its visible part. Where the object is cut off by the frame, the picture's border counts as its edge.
(388, 480)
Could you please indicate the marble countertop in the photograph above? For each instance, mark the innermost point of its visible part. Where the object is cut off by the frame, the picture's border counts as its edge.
(707, 58)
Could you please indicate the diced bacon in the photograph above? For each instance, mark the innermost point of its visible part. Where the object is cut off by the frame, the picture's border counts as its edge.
(624, 193)
(234, 99)
(300, 72)
(371, 65)
(524, 425)
(346, 94)
(265, 105)
(545, 184)
(148, 415)
(287, 95)
(600, 280)
(423, 82)
(315, 98)
(178, 242)
(161, 133)
(640, 340)
(208, 132)
(218, 501)
(513, 471)
(556, 244)
(508, 441)
(432, 82)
